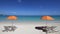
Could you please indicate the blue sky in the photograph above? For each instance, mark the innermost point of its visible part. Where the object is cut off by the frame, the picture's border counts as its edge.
(30, 7)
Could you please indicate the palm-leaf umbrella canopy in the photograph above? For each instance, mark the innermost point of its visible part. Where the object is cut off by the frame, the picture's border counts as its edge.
(12, 17)
(47, 18)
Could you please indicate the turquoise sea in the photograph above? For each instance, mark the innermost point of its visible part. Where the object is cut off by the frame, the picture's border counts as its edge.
(28, 18)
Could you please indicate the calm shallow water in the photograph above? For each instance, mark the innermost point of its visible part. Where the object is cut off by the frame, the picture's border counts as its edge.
(29, 18)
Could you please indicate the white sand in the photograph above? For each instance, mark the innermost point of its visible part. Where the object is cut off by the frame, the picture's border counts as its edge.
(27, 27)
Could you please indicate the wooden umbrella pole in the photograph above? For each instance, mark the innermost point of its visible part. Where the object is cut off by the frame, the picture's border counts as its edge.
(12, 22)
(46, 26)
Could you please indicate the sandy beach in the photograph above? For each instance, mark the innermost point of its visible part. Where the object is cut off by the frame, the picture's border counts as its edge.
(27, 27)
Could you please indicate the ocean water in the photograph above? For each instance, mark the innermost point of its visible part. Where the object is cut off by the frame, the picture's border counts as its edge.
(29, 18)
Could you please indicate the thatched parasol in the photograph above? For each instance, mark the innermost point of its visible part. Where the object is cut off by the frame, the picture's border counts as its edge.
(12, 18)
